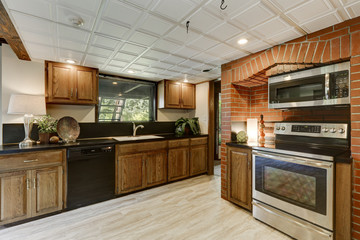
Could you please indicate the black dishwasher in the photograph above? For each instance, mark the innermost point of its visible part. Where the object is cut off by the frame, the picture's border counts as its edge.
(91, 175)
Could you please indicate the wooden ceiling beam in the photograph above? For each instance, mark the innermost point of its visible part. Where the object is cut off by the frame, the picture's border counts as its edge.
(10, 35)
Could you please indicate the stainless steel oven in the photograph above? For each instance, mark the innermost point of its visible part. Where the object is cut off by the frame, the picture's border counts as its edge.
(293, 182)
(328, 85)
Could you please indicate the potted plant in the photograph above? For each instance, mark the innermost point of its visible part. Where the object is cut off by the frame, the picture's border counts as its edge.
(46, 127)
(187, 126)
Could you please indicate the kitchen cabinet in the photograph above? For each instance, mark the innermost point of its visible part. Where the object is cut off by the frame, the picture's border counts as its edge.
(239, 176)
(198, 156)
(173, 94)
(140, 165)
(32, 184)
(70, 84)
(178, 159)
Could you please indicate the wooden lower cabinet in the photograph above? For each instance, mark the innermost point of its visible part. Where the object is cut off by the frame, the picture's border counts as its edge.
(156, 168)
(178, 160)
(32, 186)
(198, 159)
(131, 172)
(239, 176)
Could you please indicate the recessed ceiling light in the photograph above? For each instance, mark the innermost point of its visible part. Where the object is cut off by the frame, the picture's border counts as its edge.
(119, 94)
(131, 71)
(185, 80)
(70, 61)
(243, 41)
(114, 83)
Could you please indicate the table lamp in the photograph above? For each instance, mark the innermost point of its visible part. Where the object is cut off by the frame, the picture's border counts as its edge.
(29, 105)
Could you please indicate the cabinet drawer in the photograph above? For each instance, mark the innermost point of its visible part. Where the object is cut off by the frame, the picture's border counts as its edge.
(141, 147)
(178, 143)
(30, 160)
(198, 141)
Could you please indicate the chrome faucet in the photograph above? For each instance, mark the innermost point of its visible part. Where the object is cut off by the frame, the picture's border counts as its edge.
(135, 128)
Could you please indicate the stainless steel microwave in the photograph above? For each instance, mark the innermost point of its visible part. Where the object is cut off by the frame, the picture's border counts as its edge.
(327, 85)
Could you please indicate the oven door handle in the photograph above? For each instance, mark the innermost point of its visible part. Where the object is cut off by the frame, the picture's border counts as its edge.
(298, 160)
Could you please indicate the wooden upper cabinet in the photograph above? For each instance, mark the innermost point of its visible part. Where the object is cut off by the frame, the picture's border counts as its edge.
(172, 94)
(70, 84)
(239, 176)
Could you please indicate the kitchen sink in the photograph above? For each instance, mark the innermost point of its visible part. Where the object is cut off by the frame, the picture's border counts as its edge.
(131, 138)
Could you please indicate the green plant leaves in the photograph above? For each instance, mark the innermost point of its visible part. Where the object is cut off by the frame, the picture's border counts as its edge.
(192, 123)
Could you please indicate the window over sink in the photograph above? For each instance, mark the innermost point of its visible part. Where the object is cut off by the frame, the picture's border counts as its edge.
(125, 100)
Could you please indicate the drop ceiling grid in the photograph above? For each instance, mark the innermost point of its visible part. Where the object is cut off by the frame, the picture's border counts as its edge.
(150, 36)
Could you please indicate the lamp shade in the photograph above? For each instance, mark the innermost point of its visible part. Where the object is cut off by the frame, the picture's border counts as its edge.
(252, 129)
(27, 104)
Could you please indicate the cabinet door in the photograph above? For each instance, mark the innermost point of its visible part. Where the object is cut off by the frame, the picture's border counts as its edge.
(15, 196)
(86, 85)
(155, 165)
(47, 190)
(130, 170)
(239, 176)
(172, 94)
(178, 163)
(198, 159)
(60, 83)
(187, 96)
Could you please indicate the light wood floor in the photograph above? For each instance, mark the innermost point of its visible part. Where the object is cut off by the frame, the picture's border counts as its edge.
(190, 209)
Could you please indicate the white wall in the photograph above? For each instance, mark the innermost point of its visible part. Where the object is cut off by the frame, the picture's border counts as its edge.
(202, 106)
(164, 115)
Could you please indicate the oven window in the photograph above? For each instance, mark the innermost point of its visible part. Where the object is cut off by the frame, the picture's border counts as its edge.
(298, 187)
(301, 185)
(309, 91)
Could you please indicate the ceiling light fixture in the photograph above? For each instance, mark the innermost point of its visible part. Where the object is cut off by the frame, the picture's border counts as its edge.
(77, 21)
(243, 41)
(70, 61)
(131, 71)
(185, 80)
(114, 83)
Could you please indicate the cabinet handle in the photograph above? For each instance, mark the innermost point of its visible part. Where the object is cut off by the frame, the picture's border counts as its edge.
(71, 92)
(75, 92)
(27, 184)
(30, 161)
(34, 182)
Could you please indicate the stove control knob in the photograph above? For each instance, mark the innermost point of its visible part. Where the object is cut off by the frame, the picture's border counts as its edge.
(283, 128)
(332, 130)
(341, 130)
(325, 130)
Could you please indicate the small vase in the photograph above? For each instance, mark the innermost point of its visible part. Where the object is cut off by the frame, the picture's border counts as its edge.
(45, 137)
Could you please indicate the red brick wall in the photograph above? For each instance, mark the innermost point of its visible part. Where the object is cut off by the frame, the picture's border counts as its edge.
(338, 43)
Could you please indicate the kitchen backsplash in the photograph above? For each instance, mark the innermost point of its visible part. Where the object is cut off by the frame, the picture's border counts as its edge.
(14, 133)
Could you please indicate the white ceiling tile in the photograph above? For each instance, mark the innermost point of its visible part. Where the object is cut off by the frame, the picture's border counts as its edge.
(178, 69)
(165, 45)
(117, 63)
(40, 51)
(38, 38)
(39, 8)
(170, 73)
(142, 38)
(155, 54)
(204, 57)
(146, 61)
(33, 24)
(91, 6)
(112, 29)
(225, 31)
(203, 43)
(186, 52)
(132, 48)
(121, 13)
(94, 59)
(66, 16)
(253, 16)
(180, 35)
(256, 46)
(286, 5)
(162, 65)
(113, 69)
(203, 21)
(174, 59)
(124, 57)
(158, 70)
(72, 33)
(285, 36)
(102, 52)
(309, 10)
(137, 67)
(155, 25)
(355, 8)
(233, 6)
(65, 54)
(71, 45)
(141, 3)
(221, 49)
(174, 9)
(322, 22)
(271, 27)
(104, 42)
(190, 64)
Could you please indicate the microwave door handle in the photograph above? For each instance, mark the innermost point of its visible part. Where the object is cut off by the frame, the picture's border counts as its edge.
(302, 161)
(327, 86)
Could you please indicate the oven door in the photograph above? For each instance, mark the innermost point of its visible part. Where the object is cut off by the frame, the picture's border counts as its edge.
(300, 186)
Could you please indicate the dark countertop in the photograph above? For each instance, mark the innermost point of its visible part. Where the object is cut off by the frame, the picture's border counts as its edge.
(340, 155)
(14, 148)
